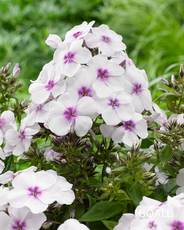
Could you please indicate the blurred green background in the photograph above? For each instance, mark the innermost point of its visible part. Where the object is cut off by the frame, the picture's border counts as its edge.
(152, 30)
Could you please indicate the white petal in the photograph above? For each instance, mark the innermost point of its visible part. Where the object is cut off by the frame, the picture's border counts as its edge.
(110, 116)
(82, 125)
(59, 125)
(86, 106)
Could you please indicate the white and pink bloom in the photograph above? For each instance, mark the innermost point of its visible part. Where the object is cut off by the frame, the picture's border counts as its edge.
(7, 121)
(82, 82)
(105, 39)
(129, 132)
(116, 108)
(70, 111)
(21, 218)
(19, 142)
(109, 76)
(72, 224)
(53, 40)
(69, 57)
(137, 86)
(51, 155)
(78, 32)
(37, 190)
(49, 82)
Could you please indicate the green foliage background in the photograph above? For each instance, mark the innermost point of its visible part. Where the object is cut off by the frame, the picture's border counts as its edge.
(152, 30)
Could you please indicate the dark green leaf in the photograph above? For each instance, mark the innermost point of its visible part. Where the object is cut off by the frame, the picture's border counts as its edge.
(109, 224)
(91, 201)
(135, 193)
(102, 211)
(7, 163)
(165, 155)
(79, 210)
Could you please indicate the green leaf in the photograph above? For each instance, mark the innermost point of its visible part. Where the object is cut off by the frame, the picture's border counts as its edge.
(102, 211)
(91, 201)
(109, 224)
(93, 182)
(119, 169)
(168, 97)
(165, 155)
(79, 210)
(135, 192)
(7, 163)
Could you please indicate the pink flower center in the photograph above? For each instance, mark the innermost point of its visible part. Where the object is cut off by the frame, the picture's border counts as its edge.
(70, 113)
(39, 108)
(177, 225)
(50, 85)
(68, 58)
(106, 39)
(102, 74)
(18, 226)
(129, 125)
(152, 225)
(34, 191)
(21, 134)
(137, 88)
(114, 102)
(77, 34)
(84, 91)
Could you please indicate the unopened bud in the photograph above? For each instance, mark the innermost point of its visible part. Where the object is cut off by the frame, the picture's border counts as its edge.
(7, 67)
(24, 102)
(46, 225)
(16, 70)
(72, 214)
(166, 82)
(181, 70)
(108, 170)
(63, 161)
(143, 183)
(162, 90)
(148, 175)
(155, 145)
(89, 144)
(129, 156)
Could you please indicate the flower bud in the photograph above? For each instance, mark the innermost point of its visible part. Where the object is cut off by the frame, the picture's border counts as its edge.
(181, 70)
(108, 170)
(7, 67)
(46, 225)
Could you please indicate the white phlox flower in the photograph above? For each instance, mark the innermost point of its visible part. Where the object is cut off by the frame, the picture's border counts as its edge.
(50, 82)
(51, 155)
(109, 76)
(78, 32)
(21, 218)
(7, 121)
(72, 224)
(137, 86)
(70, 111)
(105, 39)
(36, 190)
(69, 57)
(20, 141)
(82, 82)
(118, 106)
(128, 132)
(53, 40)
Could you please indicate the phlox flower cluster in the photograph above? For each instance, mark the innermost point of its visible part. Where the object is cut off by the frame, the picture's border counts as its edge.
(90, 76)
(155, 215)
